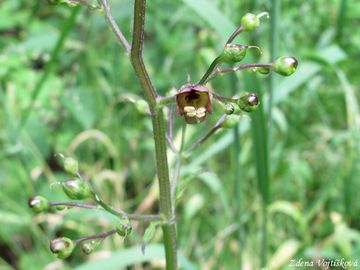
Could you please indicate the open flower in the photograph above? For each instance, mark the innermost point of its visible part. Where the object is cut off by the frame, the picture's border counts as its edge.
(194, 101)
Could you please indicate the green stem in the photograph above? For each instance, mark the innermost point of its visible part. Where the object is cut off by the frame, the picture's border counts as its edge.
(236, 68)
(235, 34)
(210, 70)
(158, 123)
(68, 24)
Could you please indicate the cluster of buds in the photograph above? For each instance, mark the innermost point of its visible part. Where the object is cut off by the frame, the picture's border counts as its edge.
(76, 189)
(194, 101)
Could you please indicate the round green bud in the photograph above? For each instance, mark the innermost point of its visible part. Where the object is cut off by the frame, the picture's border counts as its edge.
(231, 121)
(71, 165)
(250, 21)
(60, 207)
(87, 248)
(229, 108)
(233, 53)
(62, 247)
(38, 204)
(248, 102)
(76, 189)
(285, 65)
(123, 228)
(263, 70)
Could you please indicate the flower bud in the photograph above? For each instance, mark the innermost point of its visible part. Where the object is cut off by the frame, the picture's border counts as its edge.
(233, 53)
(76, 189)
(231, 121)
(248, 102)
(123, 228)
(38, 204)
(285, 65)
(71, 165)
(62, 247)
(251, 21)
(231, 108)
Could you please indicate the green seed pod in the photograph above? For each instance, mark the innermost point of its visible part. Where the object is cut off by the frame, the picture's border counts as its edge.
(71, 165)
(60, 207)
(263, 70)
(251, 21)
(76, 189)
(285, 65)
(123, 228)
(248, 102)
(38, 204)
(62, 247)
(231, 108)
(233, 53)
(231, 121)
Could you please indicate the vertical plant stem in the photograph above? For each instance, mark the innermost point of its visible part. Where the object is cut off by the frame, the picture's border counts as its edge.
(158, 123)
(275, 13)
(68, 24)
(237, 182)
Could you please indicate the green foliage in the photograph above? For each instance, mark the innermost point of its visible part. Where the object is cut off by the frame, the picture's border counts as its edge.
(82, 110)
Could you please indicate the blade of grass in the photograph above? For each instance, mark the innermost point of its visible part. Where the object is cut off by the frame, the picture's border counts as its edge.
(274, 15)
(237, 182)
(67, 26)
(260, 145)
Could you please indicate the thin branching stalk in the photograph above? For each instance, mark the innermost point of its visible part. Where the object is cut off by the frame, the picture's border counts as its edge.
(114, 27)
(207, 135)
(235, 34)
(218, 70)
(95, 236)
(116, 212)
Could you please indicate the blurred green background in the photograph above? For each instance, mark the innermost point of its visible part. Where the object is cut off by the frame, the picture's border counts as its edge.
(84, 105)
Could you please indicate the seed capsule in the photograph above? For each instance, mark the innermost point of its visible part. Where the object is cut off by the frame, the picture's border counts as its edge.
(285, 65)
(248, 102)
(251, 21)
(76, 189)
(233, 53)
(71, 165)
(38, 204)
(62, 247)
